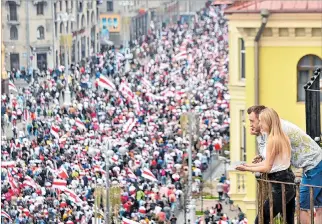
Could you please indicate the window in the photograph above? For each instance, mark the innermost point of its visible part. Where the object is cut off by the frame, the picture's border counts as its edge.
(60, 5)
(243, 156)
(41, 33)
(66, 5)
(242, 51)
(305, 70)
(109, 6)
(13, 11)
(40, 8)
(13, 33)
(80, 7)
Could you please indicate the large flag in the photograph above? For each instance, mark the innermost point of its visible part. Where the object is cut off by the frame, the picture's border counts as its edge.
(59, 184)
(147, 174)
(62, 173)
(130, 173)
(8, 164)
(12, 86)
(6, 215)
(72, 196)
(126, 91)
(105, 83)
(128, 221)
(31, 182)
(55, 131)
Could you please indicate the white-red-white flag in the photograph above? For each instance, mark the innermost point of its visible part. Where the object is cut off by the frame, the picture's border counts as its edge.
(105, 83)
(129, 125)
(12, 182)
(12, 86)
(147, 174)
(62, 173)
(6, 215)
(181, 56)
(80, 124)
(25, 115)
(54, 130)
(8, 164)
(128, 221)
(130, 173)
(31, 181)
(72, 196)
(59, 184)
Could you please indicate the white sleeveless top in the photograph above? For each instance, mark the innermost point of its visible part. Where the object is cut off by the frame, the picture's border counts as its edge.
(278, 164)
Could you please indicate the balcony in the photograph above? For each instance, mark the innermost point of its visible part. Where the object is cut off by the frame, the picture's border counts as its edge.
(265, 192)
(12, 19)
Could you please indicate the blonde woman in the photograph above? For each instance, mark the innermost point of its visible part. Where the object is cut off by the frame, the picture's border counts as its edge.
(276, 163)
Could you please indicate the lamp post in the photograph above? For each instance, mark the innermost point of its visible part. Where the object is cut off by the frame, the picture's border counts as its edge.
(108, 153)
(65, 18)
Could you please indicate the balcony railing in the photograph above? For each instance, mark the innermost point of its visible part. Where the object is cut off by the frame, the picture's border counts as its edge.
(264, 188)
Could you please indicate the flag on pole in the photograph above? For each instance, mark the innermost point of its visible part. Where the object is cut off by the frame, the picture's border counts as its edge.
(130, 173)
(147, 174)
(105, 83)
(54, 131)
(12, 86)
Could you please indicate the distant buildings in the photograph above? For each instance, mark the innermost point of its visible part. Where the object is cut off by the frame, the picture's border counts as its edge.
(33, 32)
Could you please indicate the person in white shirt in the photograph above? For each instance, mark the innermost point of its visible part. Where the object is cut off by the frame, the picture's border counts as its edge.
(276, 164)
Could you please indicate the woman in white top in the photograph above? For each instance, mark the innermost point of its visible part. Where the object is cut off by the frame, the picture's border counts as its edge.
(276, 164)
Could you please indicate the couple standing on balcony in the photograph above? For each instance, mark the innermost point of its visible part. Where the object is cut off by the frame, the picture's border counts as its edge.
(282, 144)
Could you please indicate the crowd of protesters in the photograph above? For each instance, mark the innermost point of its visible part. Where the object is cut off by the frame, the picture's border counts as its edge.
(53, 154)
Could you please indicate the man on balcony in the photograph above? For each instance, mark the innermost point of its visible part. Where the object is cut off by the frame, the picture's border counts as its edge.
(306, 154)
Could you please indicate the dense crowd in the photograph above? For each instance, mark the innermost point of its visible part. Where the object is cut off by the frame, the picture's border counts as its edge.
(132, 100)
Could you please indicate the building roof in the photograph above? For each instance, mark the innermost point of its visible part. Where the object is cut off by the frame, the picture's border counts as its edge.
(277, 6)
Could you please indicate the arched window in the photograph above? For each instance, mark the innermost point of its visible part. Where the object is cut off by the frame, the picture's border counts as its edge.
(305, 70)
(13, 33)
(41, 33)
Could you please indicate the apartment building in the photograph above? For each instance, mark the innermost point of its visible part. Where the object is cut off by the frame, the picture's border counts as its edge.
(33, 30)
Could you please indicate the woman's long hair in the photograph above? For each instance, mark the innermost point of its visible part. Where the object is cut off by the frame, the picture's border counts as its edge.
(276, 136)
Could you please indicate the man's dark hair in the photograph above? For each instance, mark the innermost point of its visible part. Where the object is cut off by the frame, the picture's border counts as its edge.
(257, 109)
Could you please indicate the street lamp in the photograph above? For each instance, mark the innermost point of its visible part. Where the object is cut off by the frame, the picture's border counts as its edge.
(107, 153)
(65, 18)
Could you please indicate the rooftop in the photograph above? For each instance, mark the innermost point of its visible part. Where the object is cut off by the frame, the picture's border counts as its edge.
(275, 6)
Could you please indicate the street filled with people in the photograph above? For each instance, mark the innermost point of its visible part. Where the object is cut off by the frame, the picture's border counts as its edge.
(125, 114)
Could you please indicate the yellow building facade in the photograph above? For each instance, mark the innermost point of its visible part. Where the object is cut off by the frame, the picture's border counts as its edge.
(289, 50)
